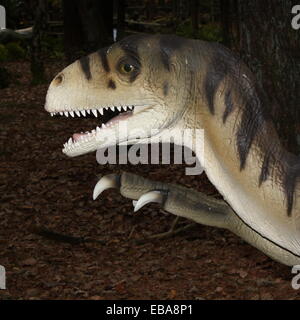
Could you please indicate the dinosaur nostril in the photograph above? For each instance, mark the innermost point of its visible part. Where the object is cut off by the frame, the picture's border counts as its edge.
(58, 80)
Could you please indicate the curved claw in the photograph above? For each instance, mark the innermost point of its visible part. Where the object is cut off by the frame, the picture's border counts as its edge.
(134, 202)
(106, 182)
(151, 196)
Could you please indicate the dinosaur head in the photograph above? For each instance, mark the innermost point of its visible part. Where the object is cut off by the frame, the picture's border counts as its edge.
(133, 82)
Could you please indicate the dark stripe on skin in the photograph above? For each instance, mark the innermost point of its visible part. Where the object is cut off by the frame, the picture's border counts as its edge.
(132, 57)
(103, 58)
(251, 122)
(129, 46)
(228, 106)
(166, 88)
(254, 112)
(292, 175)
(271, 153)
(168, 46)
(111, 84)
(85, 66)
(134, 75)
(265, 170)
(165, 59)
(216, 73)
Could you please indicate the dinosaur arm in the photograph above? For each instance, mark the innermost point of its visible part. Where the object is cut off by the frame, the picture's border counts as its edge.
(195, 206)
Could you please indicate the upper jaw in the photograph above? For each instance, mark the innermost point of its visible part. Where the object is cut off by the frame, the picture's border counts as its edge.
(100, 136)
(86, 111)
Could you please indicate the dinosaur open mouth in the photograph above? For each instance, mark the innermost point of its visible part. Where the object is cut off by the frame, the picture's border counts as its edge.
(109, 117)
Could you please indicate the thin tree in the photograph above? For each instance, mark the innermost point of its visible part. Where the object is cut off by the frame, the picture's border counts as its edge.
(39, 27)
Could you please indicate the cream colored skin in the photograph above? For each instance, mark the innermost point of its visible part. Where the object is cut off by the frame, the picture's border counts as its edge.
(259, 212)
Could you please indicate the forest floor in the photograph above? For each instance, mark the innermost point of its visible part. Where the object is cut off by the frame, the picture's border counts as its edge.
(43, 189)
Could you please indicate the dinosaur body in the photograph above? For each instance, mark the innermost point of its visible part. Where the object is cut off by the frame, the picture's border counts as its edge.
(172, 84)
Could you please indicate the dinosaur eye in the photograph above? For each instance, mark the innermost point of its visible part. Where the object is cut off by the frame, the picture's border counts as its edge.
(127, 68)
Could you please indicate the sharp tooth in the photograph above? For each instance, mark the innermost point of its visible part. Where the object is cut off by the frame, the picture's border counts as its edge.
(112, 108)
(83, 113)
(70, 141)
(101, 111)
(66, 113)
(124, 108)
(95, 113)
(106, 108)
(88, 111)
(119, 108)
(98, 129)
(61, 113)
(93, 131)
(103, 125)
(51, 114)
(78, 113)
(130, 107)
(72, 113)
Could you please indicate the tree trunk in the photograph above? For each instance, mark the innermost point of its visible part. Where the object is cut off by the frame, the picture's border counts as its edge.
(270, 47)
(37, 61)
(180, 10)
(121, 8)
(73, 31)
(5, 78)
(88, 26)
(225, 7)
(194, 8)
(149, 8)
(97, 22)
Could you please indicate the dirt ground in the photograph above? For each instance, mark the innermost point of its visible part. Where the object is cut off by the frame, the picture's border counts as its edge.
(42, 189)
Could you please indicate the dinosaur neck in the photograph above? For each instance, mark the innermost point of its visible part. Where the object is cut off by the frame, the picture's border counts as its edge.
(254, 173)
(245, 160)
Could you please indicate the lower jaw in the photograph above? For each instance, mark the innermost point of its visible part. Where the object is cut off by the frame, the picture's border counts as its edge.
(112, 122)
(82, 143)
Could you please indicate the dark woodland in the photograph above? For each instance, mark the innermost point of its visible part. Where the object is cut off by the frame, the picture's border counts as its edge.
(55, 241)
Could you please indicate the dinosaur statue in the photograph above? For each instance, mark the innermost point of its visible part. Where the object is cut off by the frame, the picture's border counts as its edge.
(172, 83)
